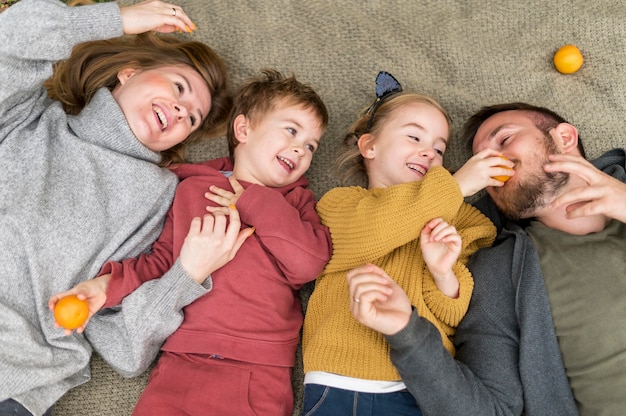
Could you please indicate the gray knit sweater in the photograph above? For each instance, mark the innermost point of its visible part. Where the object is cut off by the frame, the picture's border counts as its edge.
(75, 191)
(508, 356)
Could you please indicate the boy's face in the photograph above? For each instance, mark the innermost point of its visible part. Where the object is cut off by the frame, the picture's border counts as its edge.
(277, 148)
(411, 141)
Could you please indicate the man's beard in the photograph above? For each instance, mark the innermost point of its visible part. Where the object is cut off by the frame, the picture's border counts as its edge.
(522, 199)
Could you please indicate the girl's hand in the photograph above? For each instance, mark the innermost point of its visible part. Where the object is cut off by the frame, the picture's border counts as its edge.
(602, 195)
(441, 246)
(479, 171)
(377, 301)
(155, 15)
(210, 243)
(223, 197)
(94, 291)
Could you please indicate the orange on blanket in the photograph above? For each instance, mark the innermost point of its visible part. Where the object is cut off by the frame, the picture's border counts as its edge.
(568, 59)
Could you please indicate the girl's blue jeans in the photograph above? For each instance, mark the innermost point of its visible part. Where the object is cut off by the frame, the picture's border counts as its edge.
(329, 401)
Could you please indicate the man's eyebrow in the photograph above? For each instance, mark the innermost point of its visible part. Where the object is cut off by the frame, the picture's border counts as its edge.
(498, 130)
(191, 91)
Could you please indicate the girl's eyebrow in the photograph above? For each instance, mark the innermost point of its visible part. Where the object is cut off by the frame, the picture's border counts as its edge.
(420, 127)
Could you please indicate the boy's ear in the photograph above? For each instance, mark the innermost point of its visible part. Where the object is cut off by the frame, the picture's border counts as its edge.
(566, 136)
(125, 74)
(241, 125)
(366, 146)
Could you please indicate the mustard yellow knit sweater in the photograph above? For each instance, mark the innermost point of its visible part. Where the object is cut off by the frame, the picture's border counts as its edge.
(382, 226)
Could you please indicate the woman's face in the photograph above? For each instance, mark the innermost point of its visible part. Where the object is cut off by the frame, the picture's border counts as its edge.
(163, 106)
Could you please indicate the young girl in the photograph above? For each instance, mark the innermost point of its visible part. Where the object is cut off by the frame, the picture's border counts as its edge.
(408, 217)
(83, 130)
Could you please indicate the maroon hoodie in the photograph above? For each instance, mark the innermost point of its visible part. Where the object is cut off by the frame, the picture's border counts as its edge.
(253, 313)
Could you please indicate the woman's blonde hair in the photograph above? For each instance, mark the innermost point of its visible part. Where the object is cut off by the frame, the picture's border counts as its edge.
(350, 165)
(94, 65)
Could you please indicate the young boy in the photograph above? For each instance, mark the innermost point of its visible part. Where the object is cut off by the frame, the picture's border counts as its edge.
(236, 346)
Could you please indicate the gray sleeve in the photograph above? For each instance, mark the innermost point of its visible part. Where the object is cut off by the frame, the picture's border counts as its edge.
(484, 379)
(36, 33)
(128, 337)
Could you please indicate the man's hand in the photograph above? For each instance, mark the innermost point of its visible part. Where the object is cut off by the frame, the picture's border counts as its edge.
(603, 194)
(377, 301)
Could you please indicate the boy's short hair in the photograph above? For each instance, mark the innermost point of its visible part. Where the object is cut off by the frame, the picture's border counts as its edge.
(259, 95)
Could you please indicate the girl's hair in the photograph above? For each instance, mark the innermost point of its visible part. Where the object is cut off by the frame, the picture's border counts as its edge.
(350, 165)
(93, 65)
(260, 94)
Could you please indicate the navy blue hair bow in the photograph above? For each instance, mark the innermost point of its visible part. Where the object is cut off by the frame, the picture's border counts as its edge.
(386, 86)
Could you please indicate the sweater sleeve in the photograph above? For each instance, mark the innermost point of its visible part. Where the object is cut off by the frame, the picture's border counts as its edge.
(289, 228)
(484, 379)
(127, 275)
(368, 224)
(476, 231)
(129, 337)
(443, 386)
(37, 33)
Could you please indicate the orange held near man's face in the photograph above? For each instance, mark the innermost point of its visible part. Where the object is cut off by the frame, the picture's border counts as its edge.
(503, 178)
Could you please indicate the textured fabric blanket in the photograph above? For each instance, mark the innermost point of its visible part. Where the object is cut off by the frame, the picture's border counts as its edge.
(465, 54)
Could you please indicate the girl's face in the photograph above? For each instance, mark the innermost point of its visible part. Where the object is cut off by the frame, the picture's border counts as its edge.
(412, 140)
(162, 105)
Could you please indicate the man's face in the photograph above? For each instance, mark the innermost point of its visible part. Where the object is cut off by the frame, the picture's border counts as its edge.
(531, 188)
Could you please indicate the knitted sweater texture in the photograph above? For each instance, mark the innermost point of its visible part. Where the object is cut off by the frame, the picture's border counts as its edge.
(383, 226)
(75, 191)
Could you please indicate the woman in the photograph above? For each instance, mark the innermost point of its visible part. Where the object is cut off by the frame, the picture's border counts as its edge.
(82, 144)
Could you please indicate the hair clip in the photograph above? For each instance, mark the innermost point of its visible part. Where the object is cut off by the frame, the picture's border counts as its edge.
(386, 86)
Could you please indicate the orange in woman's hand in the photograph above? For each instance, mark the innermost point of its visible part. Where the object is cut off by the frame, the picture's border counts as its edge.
(71, 312)
(502, 178)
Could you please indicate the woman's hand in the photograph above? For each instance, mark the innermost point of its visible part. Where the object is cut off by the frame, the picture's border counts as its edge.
(155, 15)
(212, 242)
(94, 291)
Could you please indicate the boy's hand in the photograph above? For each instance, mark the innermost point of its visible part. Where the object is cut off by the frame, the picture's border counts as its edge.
(602, 195)
(377, 301)
(211, 243)
(224, 198)
(94, 291)
(479, 171)
(441, 246)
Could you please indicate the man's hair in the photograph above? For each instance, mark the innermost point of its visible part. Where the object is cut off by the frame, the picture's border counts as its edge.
(259, 95)
(543, 118)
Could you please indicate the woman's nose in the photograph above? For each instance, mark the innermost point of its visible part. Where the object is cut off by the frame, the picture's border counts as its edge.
(181, 111)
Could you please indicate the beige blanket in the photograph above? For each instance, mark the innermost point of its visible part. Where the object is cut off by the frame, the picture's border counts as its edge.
(464, 53)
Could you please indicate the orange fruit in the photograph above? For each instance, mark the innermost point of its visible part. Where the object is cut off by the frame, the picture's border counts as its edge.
(502, 178)
(568, 59)
(71, 312)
